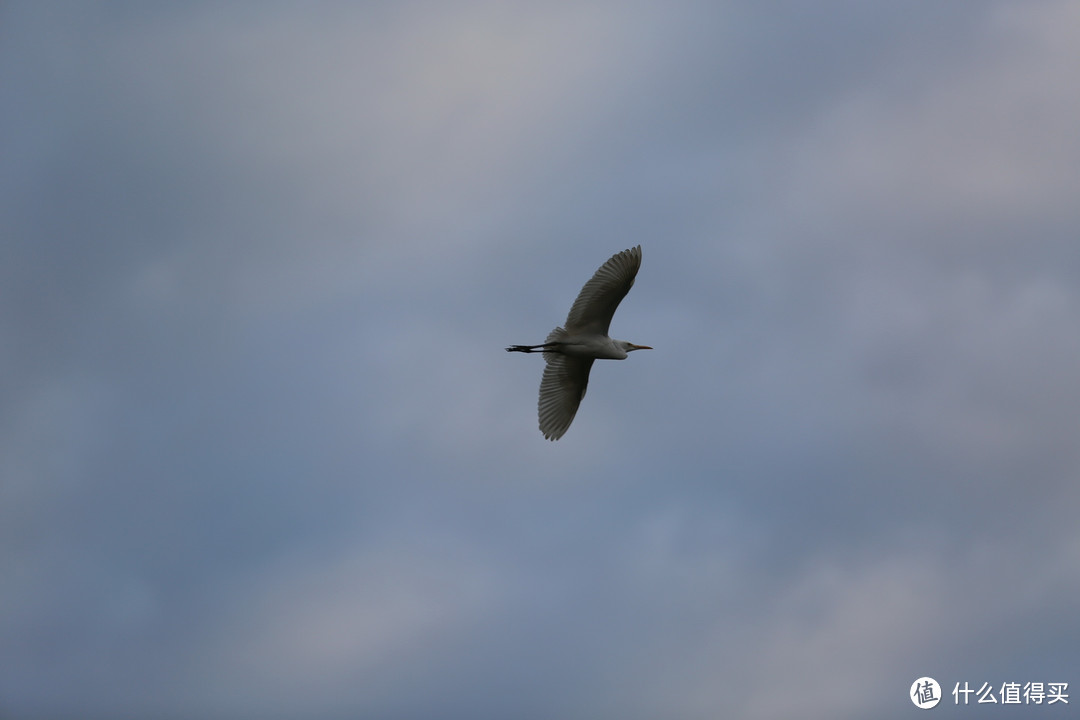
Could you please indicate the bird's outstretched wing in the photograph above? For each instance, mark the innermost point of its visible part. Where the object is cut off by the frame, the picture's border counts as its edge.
(565, 379)
(597, 301)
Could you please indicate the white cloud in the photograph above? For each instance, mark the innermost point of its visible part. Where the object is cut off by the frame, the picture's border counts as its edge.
(989, 132)
(348, 625)
(344, 210)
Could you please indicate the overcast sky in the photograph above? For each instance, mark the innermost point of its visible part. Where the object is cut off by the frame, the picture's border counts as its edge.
(262, 454)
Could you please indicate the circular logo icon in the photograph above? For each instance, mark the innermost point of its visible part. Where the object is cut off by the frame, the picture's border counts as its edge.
(925, 693)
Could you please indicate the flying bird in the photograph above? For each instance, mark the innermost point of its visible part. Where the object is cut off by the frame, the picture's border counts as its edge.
(569, 351)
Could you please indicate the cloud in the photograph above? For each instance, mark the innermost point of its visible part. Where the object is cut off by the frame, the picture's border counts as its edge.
(261, 450)
(350, 629)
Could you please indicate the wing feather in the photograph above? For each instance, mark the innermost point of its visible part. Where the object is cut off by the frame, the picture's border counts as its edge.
(596, 303)
(566, 378)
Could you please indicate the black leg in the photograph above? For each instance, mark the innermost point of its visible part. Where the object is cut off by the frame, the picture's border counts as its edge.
(530, 348)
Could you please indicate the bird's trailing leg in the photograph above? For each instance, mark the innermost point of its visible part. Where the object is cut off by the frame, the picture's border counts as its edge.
(531, 348)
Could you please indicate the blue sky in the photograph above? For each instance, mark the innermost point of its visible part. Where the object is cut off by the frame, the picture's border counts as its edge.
(262, 453)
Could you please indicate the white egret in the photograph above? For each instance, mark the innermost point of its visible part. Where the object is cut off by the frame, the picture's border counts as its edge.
(570, 351)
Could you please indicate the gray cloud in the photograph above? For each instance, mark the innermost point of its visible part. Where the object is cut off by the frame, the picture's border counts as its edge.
(260, 449)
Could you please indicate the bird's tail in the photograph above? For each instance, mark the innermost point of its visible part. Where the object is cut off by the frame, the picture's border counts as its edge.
(557, 335)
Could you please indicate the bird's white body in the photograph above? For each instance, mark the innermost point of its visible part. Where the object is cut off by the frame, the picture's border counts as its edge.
(570, 351)
(598, 347)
